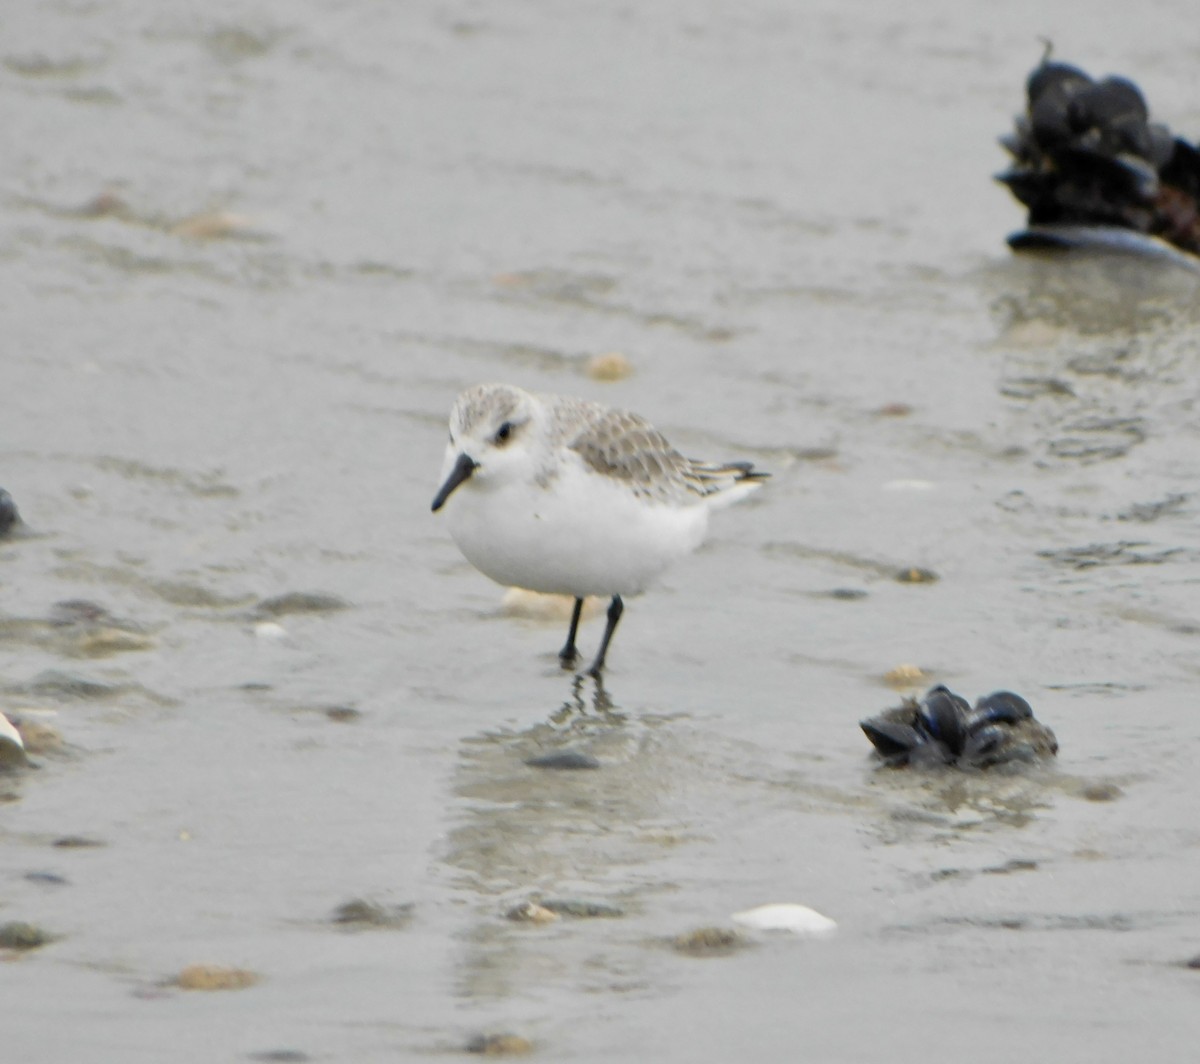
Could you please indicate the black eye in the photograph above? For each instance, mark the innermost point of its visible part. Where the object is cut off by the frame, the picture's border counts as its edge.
(504, 432)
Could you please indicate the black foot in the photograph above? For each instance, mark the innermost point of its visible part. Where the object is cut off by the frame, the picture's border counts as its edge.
(568, 655)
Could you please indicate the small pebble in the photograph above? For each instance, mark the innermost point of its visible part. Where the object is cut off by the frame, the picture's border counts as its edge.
(530, 912)
(610, 366)
(564, 760)
(21, 936)
(906, 676)
(50, 879)
(1017, 864)
(500, 1045)
(212, 977)
(1194, 963)
(915, 575)
(1102, 792)
(40, 738)
(212, 225)
(846, 594)
(281, 1056)
(102, 642)
(371, 914)
(583, 910)
(343, 714)
(75, 842)
(300, 602)
(708, 942)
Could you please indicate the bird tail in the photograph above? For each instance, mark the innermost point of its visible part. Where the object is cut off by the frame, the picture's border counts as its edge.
(726, 482)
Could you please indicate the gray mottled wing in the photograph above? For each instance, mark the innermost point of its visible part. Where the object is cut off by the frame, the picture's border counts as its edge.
(627, 447)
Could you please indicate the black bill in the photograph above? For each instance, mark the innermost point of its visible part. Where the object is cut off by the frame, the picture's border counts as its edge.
(463, 468)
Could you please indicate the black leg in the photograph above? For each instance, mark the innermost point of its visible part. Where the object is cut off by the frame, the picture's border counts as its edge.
(615, 609)
(568, 654)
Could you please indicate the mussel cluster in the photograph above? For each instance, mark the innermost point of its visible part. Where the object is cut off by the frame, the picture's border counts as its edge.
(943, 729)
(1086, 153)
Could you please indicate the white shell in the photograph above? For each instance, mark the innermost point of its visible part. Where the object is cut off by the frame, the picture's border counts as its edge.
(785, 916)
(8, 733)
(270, 630)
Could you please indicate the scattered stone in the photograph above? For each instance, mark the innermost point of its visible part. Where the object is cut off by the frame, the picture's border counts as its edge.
(1017, 864)
(906, 676)
(564, 760)
(300, 602)
(894, 410)
(280, 1056)
(915, 575)
(212, 225)
(39, 738)
(104, 641)
(343, 714)
(51, 879)
(58, 685)
(8, 512)
(610, 366)
(362, 913)
(22, 936)
(1102, 792)
(530, 912)
(583, 910)
(213, 977)
(75, 842)
(708, 942)
(500, 1045)
(845, 594)
(1194, 963)
(787, 916)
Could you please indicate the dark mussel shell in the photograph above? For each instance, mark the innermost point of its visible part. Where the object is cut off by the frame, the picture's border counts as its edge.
(942, 715)
(1087, 157)
(891, 739)
(942, 729)
(1002, 706)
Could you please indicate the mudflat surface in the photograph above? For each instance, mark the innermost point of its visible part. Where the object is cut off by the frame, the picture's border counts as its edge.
(249, 255)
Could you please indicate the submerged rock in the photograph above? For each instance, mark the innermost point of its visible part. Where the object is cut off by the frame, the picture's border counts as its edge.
(1087, 160)
(581, 909)
(942, 729)
(564, 761)
(359, 912)
(213, 977)
(530, 912)
(708, 942)
(22, 936)
(8, 512)
(299, 602)
(500, 1045)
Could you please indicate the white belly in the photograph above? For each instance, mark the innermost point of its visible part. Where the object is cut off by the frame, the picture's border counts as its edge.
(584, 535)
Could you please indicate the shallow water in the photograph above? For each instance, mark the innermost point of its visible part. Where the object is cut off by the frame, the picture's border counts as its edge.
(233, 387)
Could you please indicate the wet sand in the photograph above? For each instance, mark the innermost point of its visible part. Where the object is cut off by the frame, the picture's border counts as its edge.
(251, 255)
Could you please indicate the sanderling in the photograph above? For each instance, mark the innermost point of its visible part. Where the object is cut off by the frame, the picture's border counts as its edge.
(569, 497)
